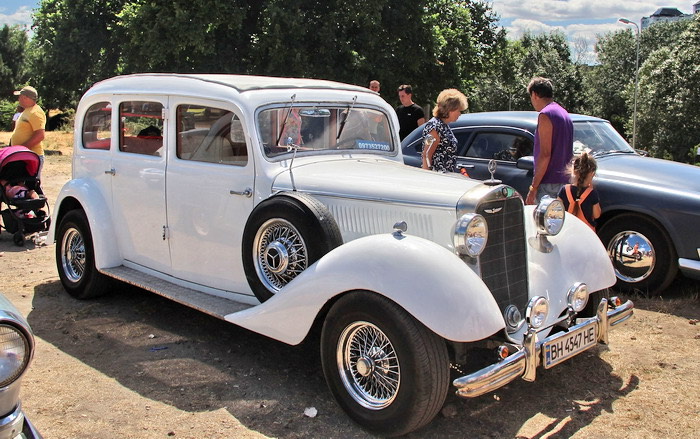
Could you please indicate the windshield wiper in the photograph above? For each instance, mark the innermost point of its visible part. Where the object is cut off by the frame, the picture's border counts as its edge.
(284, 124)
(342, 124)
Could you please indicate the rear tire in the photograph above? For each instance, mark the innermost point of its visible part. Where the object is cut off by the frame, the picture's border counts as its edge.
(388, 371)
(75, 258)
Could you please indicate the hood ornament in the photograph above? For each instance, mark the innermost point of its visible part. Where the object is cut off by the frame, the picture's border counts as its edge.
(400, 228)
(492, 170)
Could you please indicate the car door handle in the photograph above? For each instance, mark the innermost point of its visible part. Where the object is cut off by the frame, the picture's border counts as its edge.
(248, 192)
(111, 171)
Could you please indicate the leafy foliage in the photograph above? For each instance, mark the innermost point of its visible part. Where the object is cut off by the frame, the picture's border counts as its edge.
(430, 44)
(79, 42)
(668, 114)
(13, 47)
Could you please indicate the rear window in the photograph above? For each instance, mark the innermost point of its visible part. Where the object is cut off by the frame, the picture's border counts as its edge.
(97, 126)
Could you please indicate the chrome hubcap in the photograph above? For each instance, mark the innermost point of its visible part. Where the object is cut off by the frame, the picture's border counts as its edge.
(280, 254)
(368, 365)
(632, 255)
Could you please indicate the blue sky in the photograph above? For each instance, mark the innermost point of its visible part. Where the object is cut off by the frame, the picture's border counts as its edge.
(579, 20)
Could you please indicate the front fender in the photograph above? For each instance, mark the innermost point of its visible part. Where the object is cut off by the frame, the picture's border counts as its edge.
(577, 256)
(98, 212)
(427, 280)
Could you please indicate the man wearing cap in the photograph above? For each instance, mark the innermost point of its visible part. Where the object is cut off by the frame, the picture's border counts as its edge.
(29, 129)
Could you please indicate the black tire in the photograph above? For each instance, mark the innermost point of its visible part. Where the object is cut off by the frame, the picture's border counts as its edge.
(593, 301)
(18, 239)
(396, 380)
(283, 237)
(75, 258)
(649, 272)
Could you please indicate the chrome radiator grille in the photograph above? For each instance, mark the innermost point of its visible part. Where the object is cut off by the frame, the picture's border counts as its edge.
(503, 263)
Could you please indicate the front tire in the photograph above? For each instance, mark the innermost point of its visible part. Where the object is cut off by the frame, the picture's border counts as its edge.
(75, 258)
(386, 369)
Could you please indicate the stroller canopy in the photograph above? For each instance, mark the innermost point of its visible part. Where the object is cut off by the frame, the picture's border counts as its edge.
(19, 154)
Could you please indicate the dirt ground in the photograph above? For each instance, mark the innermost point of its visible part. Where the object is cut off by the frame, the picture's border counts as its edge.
(134, 365)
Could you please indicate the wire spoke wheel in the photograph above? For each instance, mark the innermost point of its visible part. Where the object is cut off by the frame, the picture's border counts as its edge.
(280, 253)
(368, 365)
(73, 255)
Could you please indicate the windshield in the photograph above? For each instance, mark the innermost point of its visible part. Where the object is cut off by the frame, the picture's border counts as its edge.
(324, 128)
(597, 137)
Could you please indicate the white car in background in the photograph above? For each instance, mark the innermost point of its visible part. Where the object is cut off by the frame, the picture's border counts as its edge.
(279, 204)
(16, 353)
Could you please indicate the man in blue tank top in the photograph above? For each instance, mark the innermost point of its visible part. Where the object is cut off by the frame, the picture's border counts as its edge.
(554, 140)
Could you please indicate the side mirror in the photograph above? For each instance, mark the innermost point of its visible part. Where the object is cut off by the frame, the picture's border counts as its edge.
(527, 163)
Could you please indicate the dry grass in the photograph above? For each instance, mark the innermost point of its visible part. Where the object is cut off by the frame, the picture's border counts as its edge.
(55, 142)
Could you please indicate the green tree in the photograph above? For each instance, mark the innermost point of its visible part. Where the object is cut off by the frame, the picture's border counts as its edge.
(185, 36)
(607, 83)
(504, 86)
(13, 47)
(610, 84)
(75, 45)
(432, 44)
(667, 108)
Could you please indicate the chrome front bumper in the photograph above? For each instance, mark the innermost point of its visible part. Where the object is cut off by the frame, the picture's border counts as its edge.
(525, 361)
(15, 425)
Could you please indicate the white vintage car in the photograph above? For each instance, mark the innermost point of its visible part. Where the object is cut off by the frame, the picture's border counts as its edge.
(279, 204)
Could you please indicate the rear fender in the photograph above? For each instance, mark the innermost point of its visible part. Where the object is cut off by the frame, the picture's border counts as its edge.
(98, 212)
(427, 280)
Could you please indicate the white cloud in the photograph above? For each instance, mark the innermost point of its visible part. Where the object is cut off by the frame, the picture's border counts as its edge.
(580, 20)
(22, 16)
(564, 10)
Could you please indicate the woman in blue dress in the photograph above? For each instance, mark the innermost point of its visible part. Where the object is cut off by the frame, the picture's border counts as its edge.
(439, 143)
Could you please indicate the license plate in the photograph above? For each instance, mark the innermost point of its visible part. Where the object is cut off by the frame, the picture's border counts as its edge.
(568, 345)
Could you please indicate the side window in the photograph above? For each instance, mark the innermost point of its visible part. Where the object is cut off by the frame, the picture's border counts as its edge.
(212, 135)
(97, 126)
(499, 146)
(141, 127)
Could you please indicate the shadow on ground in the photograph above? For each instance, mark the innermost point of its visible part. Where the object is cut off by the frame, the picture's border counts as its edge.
(181, 357)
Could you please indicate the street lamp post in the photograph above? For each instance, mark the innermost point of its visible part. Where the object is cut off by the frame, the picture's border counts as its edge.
(636, 83)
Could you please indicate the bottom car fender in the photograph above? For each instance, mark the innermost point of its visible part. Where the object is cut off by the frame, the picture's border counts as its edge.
(427, 280)
(98, 213)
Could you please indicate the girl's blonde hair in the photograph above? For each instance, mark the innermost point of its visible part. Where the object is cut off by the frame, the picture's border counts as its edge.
(583, 166)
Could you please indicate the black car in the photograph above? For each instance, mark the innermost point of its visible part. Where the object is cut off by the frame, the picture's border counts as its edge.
(651, 207)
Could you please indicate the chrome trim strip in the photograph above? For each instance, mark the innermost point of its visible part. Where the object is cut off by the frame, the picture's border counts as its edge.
(689, 264)
(525, 361)
(368, 198)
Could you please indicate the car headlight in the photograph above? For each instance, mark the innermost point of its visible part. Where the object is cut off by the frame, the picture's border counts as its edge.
(470, 235)
(537, 310)
(549, 216)
(578, 296)
(15, 353)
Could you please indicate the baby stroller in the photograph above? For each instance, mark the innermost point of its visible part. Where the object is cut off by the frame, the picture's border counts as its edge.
(27, 210)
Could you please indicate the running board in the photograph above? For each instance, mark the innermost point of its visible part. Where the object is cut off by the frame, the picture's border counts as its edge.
(216, 306)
